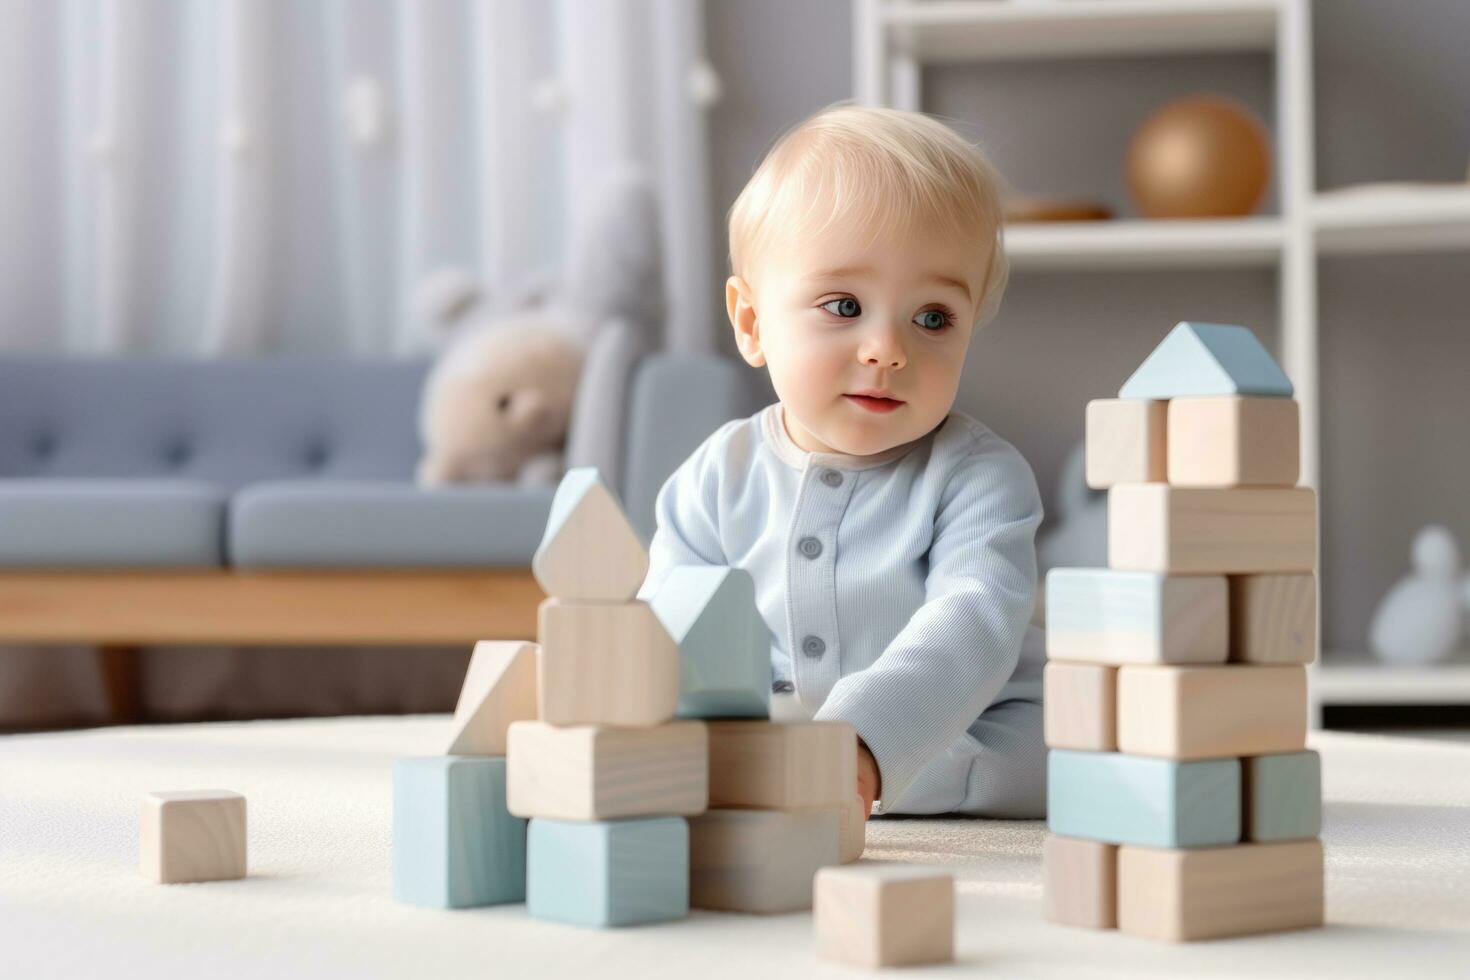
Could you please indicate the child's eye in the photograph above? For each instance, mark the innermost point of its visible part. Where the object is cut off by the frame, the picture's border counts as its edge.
(847, 307)
(935, 320)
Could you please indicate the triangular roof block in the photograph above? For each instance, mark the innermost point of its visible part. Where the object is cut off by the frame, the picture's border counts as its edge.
(1204, 359)
(589, 550)
(724, 645)
(499, 688)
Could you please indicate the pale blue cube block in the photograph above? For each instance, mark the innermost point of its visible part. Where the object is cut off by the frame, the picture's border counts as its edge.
(1205, 359)
(1283, 796)
(455, 845)
(608, 872)
(724, 644)
(1134, 799)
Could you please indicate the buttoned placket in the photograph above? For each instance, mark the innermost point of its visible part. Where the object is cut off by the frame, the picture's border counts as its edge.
(811, 582)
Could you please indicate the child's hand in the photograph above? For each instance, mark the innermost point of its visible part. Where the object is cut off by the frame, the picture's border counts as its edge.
(869, 780)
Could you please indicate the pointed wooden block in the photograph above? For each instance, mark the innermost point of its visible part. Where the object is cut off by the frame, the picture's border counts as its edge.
(605, 663)
(1157, 528)
(1101, 615)
(192, 835)
(1283, 796)
(589, 551)
(724, 644)
(1079, 882)
(1079, 704)
(876, 915)
(1134, 799)
(781, 766)
(1234, 442)
(1192, 712)
(1204, 359)
(1125, 441)
(1215, 892)
(607, 873)
(760, 860)
(499, 688)
(1273, 619)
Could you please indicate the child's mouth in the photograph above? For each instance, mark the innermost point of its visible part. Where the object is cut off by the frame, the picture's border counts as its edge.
(875, 403)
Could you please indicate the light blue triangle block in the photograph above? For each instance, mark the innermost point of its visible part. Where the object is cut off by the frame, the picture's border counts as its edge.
(604, 873)
(724, 645)
(1208, 359)
(1135, 799)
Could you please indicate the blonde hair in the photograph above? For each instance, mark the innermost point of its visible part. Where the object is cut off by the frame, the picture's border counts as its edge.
(888, 169)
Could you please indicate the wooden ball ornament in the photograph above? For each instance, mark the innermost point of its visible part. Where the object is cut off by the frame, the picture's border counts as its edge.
(1199, 157)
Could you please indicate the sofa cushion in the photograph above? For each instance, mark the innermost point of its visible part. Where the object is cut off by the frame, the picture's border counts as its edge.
(111, 523)
(380, 524)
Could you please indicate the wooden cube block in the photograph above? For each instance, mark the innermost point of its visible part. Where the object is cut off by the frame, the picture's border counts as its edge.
(1135, 799)
(1125, 441)
(1080, 702)
(1159, 528)
(1234, 442)
(455, 845)
(608, 873)
(1100, 615)
(724, 644)
(499, 688)
(605, 663)
(1220, 891)
(1190, 712)
(588, 551)
(781, 766)
(854, 838)
(1079, 882)
(192, 835)
(1273, 619)
(589, 772)
(1283, 796)
(1202, 359)
(874, 915)
(760, 860)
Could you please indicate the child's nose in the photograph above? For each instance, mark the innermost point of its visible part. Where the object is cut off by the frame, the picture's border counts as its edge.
(882, 349)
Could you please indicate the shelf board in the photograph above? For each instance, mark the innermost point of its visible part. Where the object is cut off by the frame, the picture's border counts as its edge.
(1392, 218)
(971, 30)
(1082, 245)
(1354, 678)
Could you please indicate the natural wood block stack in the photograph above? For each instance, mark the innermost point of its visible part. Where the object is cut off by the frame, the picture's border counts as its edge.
(1183, 802)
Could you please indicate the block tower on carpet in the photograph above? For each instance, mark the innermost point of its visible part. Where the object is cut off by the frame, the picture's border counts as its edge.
(1182, 801)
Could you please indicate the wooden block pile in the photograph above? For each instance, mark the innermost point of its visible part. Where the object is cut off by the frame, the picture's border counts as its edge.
(1182, 801)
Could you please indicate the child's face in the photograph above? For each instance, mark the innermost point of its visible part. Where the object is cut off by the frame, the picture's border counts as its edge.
(865, 341)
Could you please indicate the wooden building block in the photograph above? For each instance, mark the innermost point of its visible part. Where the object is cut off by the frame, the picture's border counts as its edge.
(874, 915)
(1080, 706)
(588, 551)
(605, 663)
(590, 772)
(1079, 882)
(1234, 442)
(1273, 619)
(1135, 799)
(1158, 528)
(1100, 615)
(1283, 796)
(1220, 891)
(724, 644)
(854, 838)
(1204, 359)
(499, 688)
(1192, 712)
(192, 835)
(760, 860)
(1125, 441)
(455, 845)
(608, 873)
(781, 766)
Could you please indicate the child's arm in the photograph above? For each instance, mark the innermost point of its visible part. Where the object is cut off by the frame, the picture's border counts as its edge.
(685, 511)
(960, 648)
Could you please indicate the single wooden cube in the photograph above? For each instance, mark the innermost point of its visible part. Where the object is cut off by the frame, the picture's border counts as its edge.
(1135, 799)
(588, 551)
(1193, 712)
(605, 663)
(590, 772)
(1234, 442)
(760, 860)
(873, 915)
(1101, 615)
(1125, 441)
(1273, 619)
(854, 839)
(1079, 703)
(1220, 891)
(724, 644)
(1079, 882)
(1283, 796)
(192, 835)
(1158, 528)
(781, 766)
(499, 688)
(608, 873)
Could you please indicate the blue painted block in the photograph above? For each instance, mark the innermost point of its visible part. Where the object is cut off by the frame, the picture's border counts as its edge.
(1203, 359)
(1283, 796)
(455, 845)
(1134, 799)
(724, 645)
(608, 872)
(1110, 616)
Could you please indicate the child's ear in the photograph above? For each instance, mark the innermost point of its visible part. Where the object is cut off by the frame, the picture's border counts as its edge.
(740, 305)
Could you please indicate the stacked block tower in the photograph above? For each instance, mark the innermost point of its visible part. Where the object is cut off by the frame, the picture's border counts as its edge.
(1182, 800)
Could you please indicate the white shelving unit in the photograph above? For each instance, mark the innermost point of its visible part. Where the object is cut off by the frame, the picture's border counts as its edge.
(893, 39)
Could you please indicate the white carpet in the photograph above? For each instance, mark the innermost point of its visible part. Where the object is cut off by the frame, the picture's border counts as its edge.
(317, 904)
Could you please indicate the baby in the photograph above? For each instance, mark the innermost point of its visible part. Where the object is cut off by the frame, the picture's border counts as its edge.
(890, 538)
